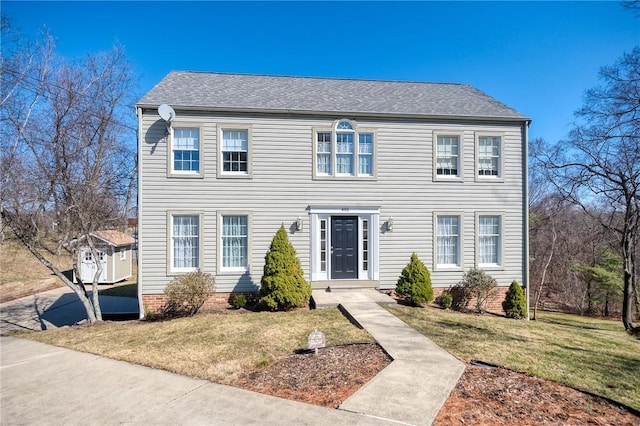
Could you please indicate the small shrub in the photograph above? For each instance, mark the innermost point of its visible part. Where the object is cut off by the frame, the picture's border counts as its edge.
(515, 303)
(283, 285)
(187, 293)
(239, 301)
(445, 300)
(478, 285)
(460, 297)
(414, 284)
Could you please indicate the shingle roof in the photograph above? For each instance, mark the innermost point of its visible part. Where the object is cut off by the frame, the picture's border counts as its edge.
(246, 92)
(115, 238)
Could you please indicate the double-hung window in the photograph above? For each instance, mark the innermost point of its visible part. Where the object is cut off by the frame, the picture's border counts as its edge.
(448, 241)
(185, 151)
(234, 151)
(489, 240)
(448, 157)
(489, 159)
(185, 242)
(235, 242)
(344, 151)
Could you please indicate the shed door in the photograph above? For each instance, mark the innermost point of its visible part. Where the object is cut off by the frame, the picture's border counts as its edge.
(88, 267)
(344, 247)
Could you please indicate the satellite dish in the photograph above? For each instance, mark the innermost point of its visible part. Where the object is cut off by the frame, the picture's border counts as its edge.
(166, 113)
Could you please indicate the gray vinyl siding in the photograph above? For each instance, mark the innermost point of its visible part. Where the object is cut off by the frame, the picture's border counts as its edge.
(282, 187)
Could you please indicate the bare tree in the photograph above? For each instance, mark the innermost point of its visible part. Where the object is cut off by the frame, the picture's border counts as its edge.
(598, 167)
(66, 163)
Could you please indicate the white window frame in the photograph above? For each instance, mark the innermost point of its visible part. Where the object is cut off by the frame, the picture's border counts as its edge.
(460, 166)
(459, 243)
(233, 269)
(500, 245)
(500, 164)
(238, 174)
(172, 172)
(356, 131)
(371, 214)
(171, 269)
(123, 253)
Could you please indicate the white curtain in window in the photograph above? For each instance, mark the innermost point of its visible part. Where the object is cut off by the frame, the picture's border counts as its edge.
(365, 151)
(235, 140)
(185, 241)
(344, 150)
(489, 239)
(186, 139)
(448, 234)
(234, 241)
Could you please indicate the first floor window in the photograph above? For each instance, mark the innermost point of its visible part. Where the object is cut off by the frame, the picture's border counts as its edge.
(235, 241)
(448, 156)
(488, 156)
(186, 150)
(185, 238)
(323, 245)
(489, 233)
(448, 241)
(235, 151)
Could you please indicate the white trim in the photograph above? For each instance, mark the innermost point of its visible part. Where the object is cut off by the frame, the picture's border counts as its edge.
(220, 133)
(448, 133)
(370, 213)
(170, 214)
(490, 266)
(219, 245)
(171, 172)
(460, 248)
(500, 176)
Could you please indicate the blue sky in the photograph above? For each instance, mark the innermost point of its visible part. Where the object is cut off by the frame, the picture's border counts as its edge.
(537, 57)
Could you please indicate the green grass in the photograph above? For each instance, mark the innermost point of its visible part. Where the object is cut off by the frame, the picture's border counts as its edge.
(585, 353)
(213, 347)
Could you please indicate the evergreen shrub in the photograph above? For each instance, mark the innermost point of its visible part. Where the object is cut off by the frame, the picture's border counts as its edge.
(239, 301)
(515, 303)
(283, 286)
(445, 300)
(414, 284)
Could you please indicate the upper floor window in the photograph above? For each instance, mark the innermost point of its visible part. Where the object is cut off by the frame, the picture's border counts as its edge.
(344, 151)
(234, 151)
(448, 156)
(185, 151)
(488, 160)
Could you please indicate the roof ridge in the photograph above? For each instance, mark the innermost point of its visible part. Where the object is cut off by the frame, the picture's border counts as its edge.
(306, 77)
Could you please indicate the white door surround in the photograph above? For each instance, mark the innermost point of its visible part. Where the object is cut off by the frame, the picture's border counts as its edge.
(368, 229)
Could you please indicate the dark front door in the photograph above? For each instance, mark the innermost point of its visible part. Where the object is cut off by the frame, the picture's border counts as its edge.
(344, 247)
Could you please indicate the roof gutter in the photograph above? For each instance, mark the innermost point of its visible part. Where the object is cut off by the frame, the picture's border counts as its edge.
(519, 119)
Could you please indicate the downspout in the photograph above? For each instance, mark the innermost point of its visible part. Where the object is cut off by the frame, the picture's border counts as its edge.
(525, 229)
(139, 209)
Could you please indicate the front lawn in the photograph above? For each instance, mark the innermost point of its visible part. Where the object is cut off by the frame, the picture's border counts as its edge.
(582, 352)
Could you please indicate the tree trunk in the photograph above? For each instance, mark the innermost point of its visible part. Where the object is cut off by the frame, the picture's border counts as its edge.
(554, 237)
(628, 295)
(96, 277)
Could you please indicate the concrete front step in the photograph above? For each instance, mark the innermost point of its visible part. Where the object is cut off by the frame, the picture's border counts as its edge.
(344, 284)
(323, 299)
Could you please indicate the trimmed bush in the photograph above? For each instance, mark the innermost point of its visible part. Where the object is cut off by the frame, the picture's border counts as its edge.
(479, 286)
(283, 286)
(239, 301)
(187, 293)
(515, 303)
(414, 284)
(445, 300)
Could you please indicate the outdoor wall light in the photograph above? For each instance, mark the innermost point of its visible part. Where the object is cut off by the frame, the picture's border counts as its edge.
(390, 224)
(299, 224)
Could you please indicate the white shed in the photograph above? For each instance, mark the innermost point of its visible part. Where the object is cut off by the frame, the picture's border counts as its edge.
(115, 252)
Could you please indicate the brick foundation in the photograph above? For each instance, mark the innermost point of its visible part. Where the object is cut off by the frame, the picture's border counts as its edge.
(493, 305)
(153, 302)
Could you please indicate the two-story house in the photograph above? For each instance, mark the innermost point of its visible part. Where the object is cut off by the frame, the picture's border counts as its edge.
(361, 173)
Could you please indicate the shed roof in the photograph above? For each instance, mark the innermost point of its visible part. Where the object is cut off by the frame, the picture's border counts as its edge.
(263, 93)
(114, 238)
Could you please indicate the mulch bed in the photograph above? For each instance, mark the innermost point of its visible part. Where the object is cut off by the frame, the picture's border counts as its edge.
(483, 396)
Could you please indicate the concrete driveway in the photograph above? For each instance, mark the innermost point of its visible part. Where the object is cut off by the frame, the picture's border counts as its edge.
(57, 308)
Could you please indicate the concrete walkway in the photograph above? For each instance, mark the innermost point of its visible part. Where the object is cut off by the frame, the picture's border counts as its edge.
(46, 385)
(41, 384)
(416, 384)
